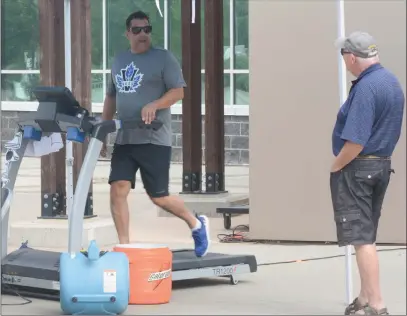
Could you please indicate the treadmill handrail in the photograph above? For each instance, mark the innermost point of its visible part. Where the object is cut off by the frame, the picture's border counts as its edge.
(139, 124)
(6, 205)
(97, 138)
(84, 123)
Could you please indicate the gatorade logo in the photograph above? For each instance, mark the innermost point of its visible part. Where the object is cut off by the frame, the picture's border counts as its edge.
(156, 276)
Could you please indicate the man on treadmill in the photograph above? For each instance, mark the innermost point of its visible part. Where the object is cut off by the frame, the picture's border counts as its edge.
(145, 82)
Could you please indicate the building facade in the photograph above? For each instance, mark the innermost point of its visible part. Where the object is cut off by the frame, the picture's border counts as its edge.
(20, 61)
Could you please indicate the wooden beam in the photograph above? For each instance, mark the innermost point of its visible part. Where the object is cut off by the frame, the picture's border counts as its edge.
(52, 72)
(214, 98)
(81, 52)
(191, 104)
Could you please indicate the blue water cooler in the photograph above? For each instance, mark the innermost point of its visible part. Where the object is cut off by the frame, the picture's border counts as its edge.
(94, 283)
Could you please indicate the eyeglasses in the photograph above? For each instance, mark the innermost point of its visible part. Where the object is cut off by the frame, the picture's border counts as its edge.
(343, 52)
(137, 29)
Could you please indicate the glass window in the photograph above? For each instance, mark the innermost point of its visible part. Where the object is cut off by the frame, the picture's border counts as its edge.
(175, 31)
(18, 87)
(203, 34)
(108, 77)
(117, 13)
(241, 34)
(226, 34)
(241, 89)
(96, 11)
(226, 91)
(20, 35)
(97, 88)
(203, 88)
(20, 43)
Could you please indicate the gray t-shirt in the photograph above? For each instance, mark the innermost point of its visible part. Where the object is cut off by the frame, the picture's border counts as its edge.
(137, 80)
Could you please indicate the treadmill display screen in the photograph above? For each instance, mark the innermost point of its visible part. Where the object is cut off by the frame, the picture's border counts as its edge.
(67, 104)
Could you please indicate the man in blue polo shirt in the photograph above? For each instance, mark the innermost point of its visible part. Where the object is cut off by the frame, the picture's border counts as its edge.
(366, 132)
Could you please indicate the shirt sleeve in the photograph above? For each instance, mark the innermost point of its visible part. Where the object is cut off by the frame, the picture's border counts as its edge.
(111, 88)
(172, 73)
(361, 116)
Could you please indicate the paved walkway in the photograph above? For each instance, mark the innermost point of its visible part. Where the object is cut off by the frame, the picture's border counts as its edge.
(308, 288)
(314, 287)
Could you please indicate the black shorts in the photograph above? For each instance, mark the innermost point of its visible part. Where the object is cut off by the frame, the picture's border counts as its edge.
(153, 162)
(357, 193)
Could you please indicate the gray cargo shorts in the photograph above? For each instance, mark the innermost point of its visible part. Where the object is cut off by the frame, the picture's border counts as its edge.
(358, 192)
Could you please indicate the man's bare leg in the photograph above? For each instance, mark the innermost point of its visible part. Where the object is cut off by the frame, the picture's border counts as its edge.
(363, 296)
(176, 206)
(368, 264)
(119, 190)
(199, 225)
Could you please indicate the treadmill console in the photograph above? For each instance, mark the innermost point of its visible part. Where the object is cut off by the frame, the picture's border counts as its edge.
(56, 100)
(58, 109)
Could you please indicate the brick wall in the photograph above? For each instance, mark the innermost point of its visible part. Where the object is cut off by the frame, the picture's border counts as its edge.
(236, 136)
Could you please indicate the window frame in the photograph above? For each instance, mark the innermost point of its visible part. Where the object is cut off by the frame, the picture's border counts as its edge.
(176, 109)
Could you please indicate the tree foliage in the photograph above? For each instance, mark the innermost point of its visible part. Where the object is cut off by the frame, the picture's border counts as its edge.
(20, 34)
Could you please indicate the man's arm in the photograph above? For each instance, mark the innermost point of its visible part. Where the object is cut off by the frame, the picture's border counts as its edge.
(109, 109)
(109, 106)
(174, 81)
(171, 97)
(349, 152)
(358, 127)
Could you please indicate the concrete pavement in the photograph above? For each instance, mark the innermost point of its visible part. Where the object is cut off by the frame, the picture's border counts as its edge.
(305, 287)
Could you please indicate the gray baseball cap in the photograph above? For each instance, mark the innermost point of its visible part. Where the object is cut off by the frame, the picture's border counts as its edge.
(360, 44)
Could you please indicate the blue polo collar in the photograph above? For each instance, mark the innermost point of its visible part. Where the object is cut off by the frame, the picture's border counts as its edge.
(368, 70)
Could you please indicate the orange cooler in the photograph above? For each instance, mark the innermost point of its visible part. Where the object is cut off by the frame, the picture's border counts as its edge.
(150, 273)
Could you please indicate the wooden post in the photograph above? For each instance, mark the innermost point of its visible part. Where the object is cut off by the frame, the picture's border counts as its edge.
(214, 98)
(81, 79)
(52, 70)
(191, 105)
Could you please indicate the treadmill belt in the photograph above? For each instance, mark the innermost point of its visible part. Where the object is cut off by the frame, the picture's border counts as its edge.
(186, 260)
(27, 262)
(43, 268)
(45, 264)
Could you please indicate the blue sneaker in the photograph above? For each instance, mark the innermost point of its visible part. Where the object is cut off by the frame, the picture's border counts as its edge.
(201, 237)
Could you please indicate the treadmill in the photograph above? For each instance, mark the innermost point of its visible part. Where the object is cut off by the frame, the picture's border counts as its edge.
(35, 273)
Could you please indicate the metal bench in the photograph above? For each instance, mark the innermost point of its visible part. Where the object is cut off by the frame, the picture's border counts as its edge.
(231, 210)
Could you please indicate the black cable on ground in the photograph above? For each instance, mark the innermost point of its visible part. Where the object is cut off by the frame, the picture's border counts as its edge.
(26, 301)
(238, 235)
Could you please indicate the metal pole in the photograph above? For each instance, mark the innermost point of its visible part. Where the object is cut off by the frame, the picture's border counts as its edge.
(68, 83)
(1, 162)
(342, 98)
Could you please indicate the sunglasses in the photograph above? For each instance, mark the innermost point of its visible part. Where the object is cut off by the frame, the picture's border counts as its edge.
(137, 29)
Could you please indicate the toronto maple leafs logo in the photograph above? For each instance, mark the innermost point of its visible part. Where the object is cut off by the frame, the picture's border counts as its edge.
(129, 79)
